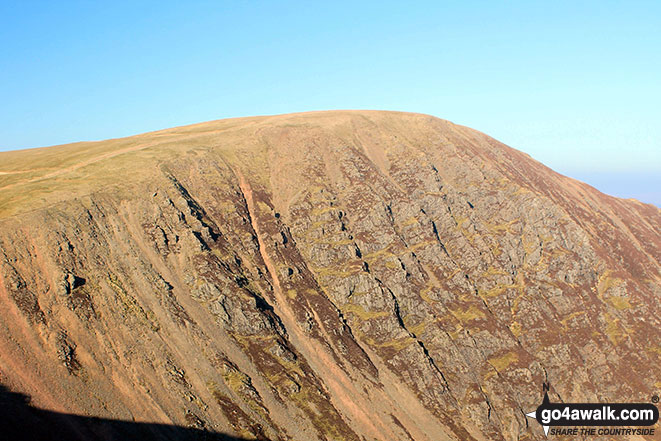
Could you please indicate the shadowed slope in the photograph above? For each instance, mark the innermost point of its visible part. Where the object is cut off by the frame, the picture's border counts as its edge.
(22, 422)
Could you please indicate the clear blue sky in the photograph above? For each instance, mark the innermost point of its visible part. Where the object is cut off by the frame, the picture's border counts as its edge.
(575, 84)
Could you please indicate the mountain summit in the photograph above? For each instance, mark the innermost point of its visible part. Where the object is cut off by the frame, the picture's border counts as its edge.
(348, 275)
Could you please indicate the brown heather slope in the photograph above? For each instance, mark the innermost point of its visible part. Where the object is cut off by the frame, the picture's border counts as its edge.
(321, 276)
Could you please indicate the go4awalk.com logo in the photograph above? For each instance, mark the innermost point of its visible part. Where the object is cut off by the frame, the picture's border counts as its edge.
(574, 416)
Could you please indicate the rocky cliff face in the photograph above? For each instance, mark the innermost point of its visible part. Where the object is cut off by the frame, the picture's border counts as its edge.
(323, 276)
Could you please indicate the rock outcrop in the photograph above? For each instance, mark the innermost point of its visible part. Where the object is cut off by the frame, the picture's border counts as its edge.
(321, 276)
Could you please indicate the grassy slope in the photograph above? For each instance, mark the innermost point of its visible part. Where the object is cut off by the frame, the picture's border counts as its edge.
(33, 178)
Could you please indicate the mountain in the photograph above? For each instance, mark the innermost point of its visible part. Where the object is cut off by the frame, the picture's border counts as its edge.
(345, 275)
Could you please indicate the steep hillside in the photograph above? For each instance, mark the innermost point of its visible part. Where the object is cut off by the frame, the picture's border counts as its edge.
(321, 276)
